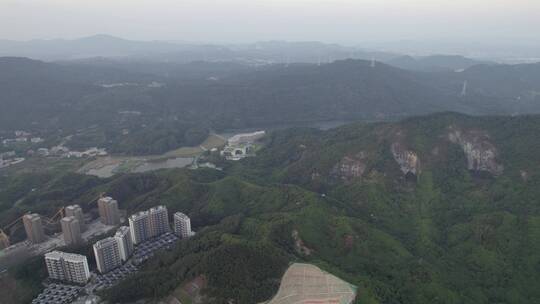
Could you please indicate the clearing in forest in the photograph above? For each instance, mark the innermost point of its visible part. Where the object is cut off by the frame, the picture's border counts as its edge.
(308, 284)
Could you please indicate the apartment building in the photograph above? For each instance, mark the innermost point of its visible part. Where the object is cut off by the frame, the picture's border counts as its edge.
(108, 211)
(182, 225)
(139, 226)
(125, 244)
(76, 211)
(67, 267)
(159, 221)
(71, 230)
(34, 228)
(107, 254)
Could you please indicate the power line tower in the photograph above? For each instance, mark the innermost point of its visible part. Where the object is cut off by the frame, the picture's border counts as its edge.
(464, 89)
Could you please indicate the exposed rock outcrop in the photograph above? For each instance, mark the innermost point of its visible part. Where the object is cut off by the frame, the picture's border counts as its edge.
(407, 160)
(481, 154)
(299, 244)
(350, 167)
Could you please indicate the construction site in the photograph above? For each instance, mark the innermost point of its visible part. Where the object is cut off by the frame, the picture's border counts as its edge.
(44, 234)
(308, 284)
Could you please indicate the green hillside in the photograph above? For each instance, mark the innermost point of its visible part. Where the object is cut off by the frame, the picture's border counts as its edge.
(435, 209)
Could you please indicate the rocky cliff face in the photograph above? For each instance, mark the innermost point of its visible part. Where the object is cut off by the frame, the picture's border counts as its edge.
(407, 160)
(350, 167)
(481, 154)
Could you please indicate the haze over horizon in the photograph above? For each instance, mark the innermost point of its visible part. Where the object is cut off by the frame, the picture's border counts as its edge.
(241, 21)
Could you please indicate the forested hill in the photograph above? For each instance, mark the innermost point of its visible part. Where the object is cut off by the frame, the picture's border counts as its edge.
(433, 63)
(77, 96)
(46, 94)
(436, 209)
(341, 90)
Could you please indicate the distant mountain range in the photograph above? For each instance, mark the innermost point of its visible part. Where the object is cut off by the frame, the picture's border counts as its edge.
(232, 95)
(260, 53)
(435, 63)
(113, 47)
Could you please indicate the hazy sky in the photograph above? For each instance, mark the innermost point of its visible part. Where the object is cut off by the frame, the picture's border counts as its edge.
(343, 21)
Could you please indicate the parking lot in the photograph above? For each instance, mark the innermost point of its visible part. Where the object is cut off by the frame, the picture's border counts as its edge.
(58, 294)
(142, 252)
(146, 250)
(64, 294)
(109, 279)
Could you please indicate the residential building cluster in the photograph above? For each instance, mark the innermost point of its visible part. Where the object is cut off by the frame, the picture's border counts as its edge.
(72, 226)
(9, 158)
(22, 136)
(65, 152)
(148, 224)
(112, 252)
(148, 231)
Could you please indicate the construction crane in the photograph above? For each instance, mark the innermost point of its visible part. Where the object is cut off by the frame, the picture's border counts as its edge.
(52, 220)
(3, 235)
(99, 196)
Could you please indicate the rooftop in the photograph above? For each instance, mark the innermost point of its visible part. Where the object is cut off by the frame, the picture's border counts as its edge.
(122, 230)
(57, 255)
(104, 243)
(107, 199)
(32, 216)
(181, 215)
(69, 219)
(157, 208)
(138, 215)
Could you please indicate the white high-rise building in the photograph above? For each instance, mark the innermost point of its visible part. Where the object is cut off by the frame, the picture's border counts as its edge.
(159, 221)
(67, 267)
(107, 254)
(139, 226)
(125, 244)
(182, 225)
